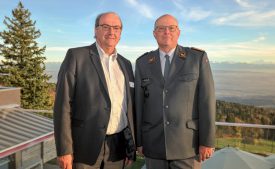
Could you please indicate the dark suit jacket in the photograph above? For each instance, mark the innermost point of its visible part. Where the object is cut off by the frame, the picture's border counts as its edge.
(82, 105)
(176, 116)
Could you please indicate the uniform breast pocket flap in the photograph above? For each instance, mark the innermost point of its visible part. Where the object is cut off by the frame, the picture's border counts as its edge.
(188, 77)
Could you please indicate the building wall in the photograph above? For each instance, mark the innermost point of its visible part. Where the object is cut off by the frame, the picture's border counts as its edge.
(9, 96)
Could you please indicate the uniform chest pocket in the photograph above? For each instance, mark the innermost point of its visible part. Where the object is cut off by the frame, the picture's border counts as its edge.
(188, 77)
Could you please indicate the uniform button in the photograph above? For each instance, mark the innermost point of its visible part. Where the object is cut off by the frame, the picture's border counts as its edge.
(166, 106)
(167, 123)
(166, 91)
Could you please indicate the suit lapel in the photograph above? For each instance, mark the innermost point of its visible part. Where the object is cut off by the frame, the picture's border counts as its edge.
(97, 63)
(125, 73)
(177, 62)
(154, 63)
(128, 93)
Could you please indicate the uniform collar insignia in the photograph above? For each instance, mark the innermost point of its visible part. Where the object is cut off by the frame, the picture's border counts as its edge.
(152, 59)
(182, 55)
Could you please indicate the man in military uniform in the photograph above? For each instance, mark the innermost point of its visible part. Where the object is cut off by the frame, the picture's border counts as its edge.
(175, 102)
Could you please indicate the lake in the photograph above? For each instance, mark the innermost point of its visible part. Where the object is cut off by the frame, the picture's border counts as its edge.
(252, 84)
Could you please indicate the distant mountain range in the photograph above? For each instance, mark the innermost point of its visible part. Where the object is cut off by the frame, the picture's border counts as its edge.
(251, 84)
(267, 67)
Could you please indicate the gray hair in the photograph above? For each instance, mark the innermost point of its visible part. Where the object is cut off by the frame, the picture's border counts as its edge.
(105, 13)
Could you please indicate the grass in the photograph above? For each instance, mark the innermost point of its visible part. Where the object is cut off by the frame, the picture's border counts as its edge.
(263, 147)
(138, 163)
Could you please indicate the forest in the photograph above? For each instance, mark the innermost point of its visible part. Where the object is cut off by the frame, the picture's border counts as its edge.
(239, 113)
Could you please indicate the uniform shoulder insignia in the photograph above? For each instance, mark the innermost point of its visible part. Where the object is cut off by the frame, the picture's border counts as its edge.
(197, 49)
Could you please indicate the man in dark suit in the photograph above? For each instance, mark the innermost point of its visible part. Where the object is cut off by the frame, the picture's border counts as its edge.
(175, 102)
(93, 111)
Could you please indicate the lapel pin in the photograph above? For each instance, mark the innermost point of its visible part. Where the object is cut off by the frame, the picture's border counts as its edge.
(152, 59)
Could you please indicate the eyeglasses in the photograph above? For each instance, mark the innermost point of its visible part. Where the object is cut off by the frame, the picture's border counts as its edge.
(171, 28)
(106, 27)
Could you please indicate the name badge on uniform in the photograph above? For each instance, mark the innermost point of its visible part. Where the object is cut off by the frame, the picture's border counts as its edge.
(144, 84)
(145, 79)
(132, 84)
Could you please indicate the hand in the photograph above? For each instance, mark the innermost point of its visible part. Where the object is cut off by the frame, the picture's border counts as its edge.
(66, 161)
(128, 162)
(140, 151)
(205, 152)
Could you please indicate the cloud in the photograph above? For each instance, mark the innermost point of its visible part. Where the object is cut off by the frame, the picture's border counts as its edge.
(244, 3)
(196, 14)
(191, 13)
(249, 51)
(87, 42)
(142, 8)
(57, 53)
(260, 38)
(60, 31)
(57, 49)
(136, 48)
(178, 4)
(247, 19)
(133, 52)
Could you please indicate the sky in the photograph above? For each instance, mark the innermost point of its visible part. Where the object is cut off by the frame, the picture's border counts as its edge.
(228, 30)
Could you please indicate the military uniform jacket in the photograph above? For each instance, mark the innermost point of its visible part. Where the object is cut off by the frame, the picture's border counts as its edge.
(82, 105)
(176, 116)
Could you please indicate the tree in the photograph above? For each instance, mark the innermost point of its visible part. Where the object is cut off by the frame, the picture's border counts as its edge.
(23, 59)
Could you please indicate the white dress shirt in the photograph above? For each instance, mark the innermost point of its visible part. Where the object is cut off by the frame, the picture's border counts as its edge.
(117, 91)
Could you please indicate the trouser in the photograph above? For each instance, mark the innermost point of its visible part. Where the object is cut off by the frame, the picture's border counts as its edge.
(111, 155)
(189, 163)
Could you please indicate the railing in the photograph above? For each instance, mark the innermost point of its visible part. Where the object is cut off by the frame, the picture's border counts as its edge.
(253, 138)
